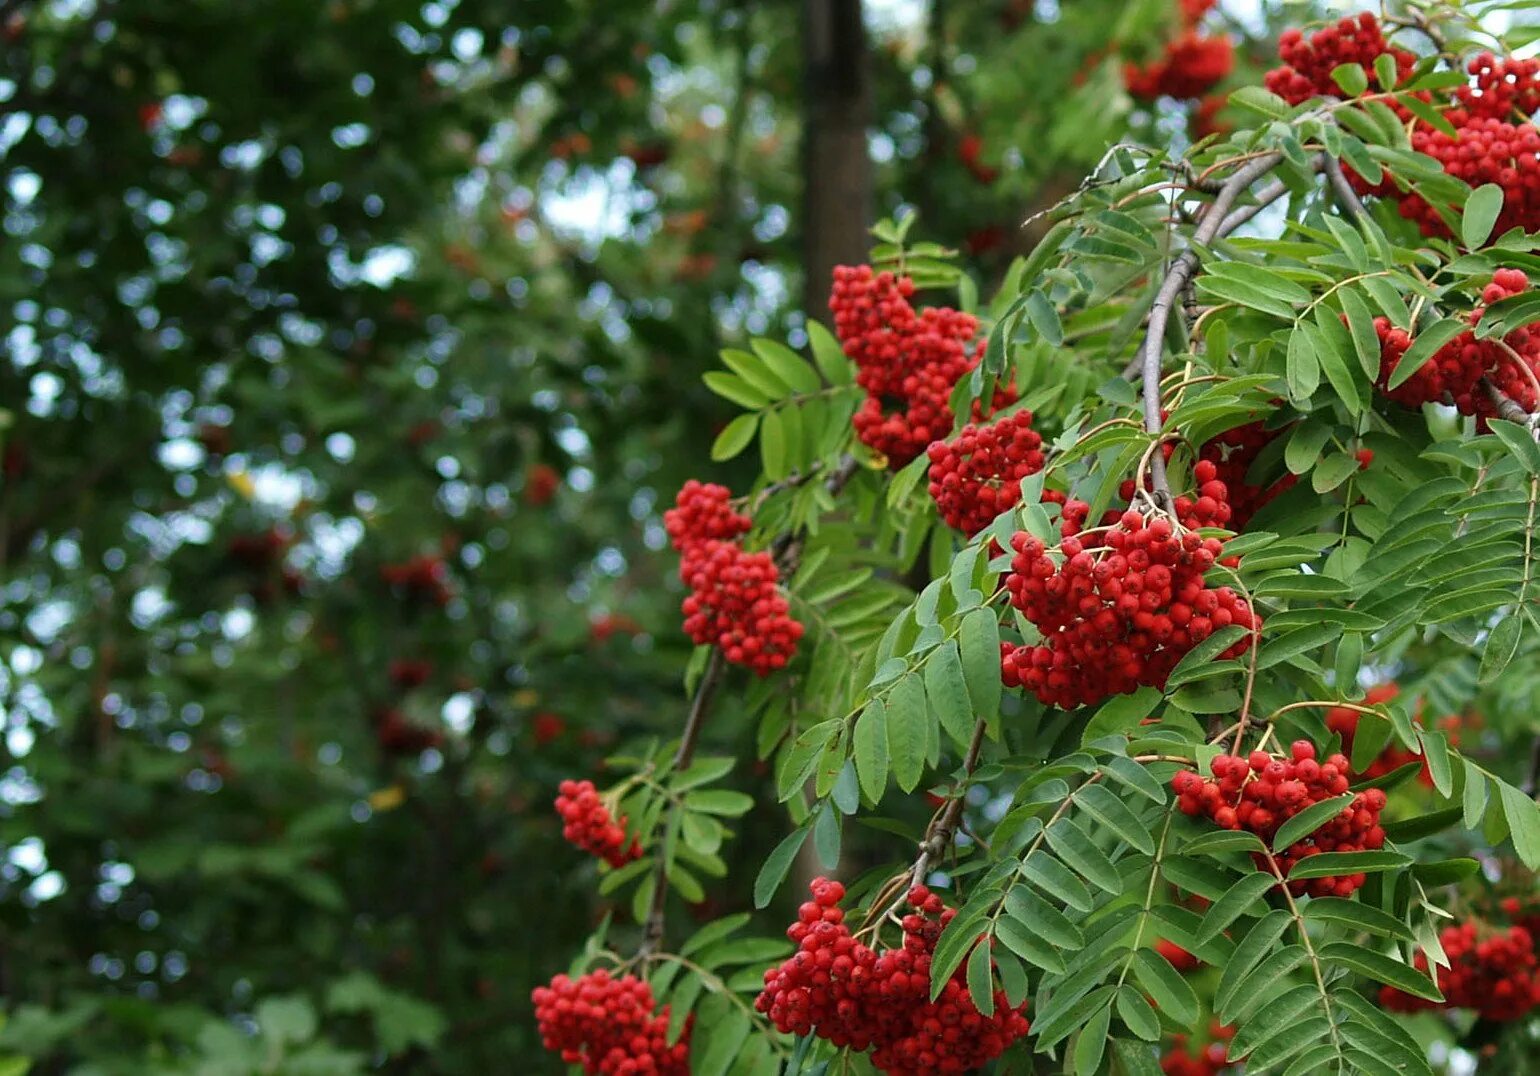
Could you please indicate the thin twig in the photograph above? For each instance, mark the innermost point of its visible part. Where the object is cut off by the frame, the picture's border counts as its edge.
(716, 667)
(1215, 219)
(938, 837)
(1346, 196)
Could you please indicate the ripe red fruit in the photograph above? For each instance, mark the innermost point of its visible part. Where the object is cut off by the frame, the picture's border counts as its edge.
(1191, 66)
(735, 602)
(977, 475)
(607, 1025)
(1118, 606)
(1492, 971)
(1259, 793)
(908, 362)
(1344, 722)
(541, 481)
(587, 823)
(839, 989)
(1210, 1060)
(1454, 373)
(1232, 453)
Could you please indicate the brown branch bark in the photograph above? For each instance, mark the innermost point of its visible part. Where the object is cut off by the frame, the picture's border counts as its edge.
(938, 837)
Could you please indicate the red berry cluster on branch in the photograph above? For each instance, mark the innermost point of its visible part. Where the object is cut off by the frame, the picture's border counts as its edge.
(977, 475)
(1493, 140)
(1118, 606)
(587, 823)
(1210, 1060)
(735, 602)
(702, 513)
(1344, 722)
(1494, 972)
(424, 577)
(1309, 61)
(1454, 373)
(838, 988)
(1232, 453)
(606, 1024)
(908, 361)
(1191, 64)
(1261, 792)
(398, 736)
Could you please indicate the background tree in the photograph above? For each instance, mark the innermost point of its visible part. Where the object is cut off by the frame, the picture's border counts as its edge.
(354, 351)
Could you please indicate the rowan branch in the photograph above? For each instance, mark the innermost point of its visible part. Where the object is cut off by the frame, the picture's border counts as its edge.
(1342, 190)
(786, 550)
(1506, 406)
(1213, 224)
(938, 836)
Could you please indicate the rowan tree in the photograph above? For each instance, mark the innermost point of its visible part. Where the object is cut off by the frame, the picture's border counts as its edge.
(1168, 606)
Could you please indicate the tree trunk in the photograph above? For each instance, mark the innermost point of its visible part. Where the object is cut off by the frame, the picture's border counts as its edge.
(836, 168)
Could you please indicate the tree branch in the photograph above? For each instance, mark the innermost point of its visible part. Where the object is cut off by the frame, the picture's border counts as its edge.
(1506, 406)
(938, 837)
(786, 551)
(1342, 190)
(1213, 225)
(705, 691)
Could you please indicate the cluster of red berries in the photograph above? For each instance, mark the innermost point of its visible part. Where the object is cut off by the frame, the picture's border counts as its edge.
(606, 1024)
(1344, 722)
(977, 475)
(260, 554)
(908, 361)
(970, 150)
(1118, 606)
(1176, 956)
(587, 823)
(398, 736)
(1260, 792)
(1192, 64)
(541, 481)
(407, 673)
(839, 989)
(424, 577)
(1493, 140)
(1309, 61)
(1232, 453)
(735, 602)
(702, 513)
(1454, 373)
(1494, 972)
(1210, 1060)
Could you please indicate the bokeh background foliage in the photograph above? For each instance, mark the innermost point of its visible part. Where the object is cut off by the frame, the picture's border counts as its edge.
(352, 349)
